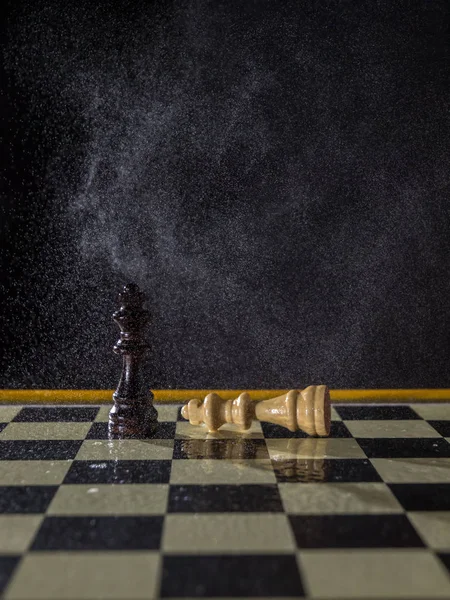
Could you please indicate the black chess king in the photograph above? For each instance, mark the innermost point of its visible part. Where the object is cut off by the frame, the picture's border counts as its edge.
(133, 413)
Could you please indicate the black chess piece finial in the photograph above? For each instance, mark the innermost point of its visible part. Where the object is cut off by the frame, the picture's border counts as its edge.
(133, 413)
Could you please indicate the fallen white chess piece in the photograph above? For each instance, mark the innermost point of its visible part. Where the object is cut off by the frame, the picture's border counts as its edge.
(308, 410)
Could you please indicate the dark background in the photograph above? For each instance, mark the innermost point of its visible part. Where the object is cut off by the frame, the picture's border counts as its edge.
(275, 175)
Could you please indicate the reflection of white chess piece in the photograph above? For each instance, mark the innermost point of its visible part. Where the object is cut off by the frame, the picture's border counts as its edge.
(308, 410)
(306, 448)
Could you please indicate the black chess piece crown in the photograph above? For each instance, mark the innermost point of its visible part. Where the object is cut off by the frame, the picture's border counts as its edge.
(133, 413)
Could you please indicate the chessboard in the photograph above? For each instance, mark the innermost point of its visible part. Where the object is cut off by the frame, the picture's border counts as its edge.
(364, 513)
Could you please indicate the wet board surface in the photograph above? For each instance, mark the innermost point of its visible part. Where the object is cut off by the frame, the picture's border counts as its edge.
(364, 513)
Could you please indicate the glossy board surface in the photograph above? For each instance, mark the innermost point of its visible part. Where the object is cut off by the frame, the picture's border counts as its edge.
(185, 513)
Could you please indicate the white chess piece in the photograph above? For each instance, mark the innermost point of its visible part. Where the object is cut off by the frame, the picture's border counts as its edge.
(308, 410)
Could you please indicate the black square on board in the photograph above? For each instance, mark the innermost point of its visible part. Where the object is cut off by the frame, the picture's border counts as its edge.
(354, 531)
(272, 431)
(26, 499)
(7, 567)
(163, 431)
(119, 471)
(57, 414)
(224, 498)
(99, 533)
(422, 496)
(39, 449)
(376, 413)
(442, 427)
(2, 426)
(405, 447)
(306, 470)
(445, 559)
(231, 576)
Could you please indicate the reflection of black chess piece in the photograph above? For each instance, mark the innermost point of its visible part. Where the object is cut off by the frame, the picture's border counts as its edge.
(133, 413)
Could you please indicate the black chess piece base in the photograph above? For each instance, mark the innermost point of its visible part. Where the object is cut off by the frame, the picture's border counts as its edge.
(132, 419)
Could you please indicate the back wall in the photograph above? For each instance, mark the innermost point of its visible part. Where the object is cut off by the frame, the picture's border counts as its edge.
(274, 175)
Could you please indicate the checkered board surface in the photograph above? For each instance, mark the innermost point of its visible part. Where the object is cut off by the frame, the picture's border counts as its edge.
(186, 514)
